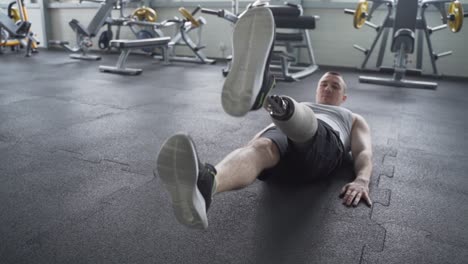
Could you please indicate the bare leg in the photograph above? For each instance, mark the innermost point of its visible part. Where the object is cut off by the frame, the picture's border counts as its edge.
(242, 166)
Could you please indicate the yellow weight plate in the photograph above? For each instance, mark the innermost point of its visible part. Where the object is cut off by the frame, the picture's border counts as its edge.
(360, 14)
(15, 14)
(145, 14)
(455, 13)
(189, 16)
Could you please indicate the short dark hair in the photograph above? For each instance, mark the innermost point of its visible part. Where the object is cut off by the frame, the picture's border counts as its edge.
(334, 73)
(345, 87)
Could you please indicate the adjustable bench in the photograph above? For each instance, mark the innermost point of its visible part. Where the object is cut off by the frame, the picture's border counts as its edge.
(290, 17)
(127, 45)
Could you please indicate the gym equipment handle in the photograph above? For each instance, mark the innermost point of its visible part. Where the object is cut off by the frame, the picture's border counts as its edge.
(222, 14)
(434, 29)
(442, 54)
(349, 11)
(93, 1)
(212, 12)
(372, 25)
(198, 8)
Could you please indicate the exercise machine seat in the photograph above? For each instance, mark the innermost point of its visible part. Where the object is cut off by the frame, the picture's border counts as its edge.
(287, 10)
(139, 43)
(406, 36)
(302, 22)
(289, 36)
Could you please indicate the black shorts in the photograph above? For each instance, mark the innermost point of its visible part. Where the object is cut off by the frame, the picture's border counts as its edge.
(317, 158)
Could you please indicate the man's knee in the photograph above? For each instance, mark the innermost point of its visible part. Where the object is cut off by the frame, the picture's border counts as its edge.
(266, 147)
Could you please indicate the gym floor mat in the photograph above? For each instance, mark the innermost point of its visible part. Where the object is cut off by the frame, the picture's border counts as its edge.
(77, 152)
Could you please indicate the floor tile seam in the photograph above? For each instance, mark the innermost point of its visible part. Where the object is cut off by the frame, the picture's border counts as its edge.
(134, 108)
(384, 203)
(404, 148)
(87, 120)
(339, 216)
(381, 247)
(427, 184)
(412, 148)
(428, 118)
(400, 224)
(80, 217)
(427, 233)
(170, 111)
(66, 127)
(452, 243)
(71, 100)
(438, 97)
(449, 124)
(76, 155)
(61, 128)
(102, 161)
(361, 257)
(21, 101)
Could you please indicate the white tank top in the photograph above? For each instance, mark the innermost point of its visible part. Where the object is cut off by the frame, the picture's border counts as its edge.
(339, 118)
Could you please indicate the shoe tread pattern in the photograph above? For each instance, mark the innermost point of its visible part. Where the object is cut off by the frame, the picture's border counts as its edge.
(252, 40)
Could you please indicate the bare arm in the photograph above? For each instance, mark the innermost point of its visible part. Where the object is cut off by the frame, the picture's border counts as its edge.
(361, 149)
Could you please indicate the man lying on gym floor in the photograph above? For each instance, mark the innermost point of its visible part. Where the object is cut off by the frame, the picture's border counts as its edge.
(305, 141)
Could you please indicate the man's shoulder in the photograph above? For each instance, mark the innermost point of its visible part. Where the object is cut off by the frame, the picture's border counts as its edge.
(357, 118)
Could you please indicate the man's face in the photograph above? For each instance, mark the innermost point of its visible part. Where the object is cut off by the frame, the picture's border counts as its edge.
(330, 90)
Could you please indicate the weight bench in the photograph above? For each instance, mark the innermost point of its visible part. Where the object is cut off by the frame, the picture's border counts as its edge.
(85, 34)
(20, 30)
(288, 44)
(402, 44)
(126, 46)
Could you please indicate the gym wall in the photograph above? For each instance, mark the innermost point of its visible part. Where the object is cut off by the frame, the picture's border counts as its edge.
(332, 40)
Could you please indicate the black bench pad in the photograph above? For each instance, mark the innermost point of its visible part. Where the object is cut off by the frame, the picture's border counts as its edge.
(139, 43)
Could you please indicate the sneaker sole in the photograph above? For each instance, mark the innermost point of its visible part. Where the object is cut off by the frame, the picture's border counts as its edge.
(245, 78)
(177, 166)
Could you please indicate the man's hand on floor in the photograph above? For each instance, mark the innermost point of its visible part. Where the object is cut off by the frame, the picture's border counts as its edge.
(354, 191)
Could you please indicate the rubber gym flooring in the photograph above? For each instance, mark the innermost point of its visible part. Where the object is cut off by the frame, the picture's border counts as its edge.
(78, 149)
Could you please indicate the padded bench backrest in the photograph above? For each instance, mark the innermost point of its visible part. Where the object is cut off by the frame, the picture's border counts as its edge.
(405, 18)
(290, 16)
(100, 17)
(286, 10)
(8, 24)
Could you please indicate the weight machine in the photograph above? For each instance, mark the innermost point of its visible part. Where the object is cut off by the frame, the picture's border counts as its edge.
(286, 64)
(165, 44)
(409, 19)
(84, 35)
(15, 29)
(181, 38)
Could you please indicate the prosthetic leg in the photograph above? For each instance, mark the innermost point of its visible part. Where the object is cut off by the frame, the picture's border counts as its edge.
(294, 119)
